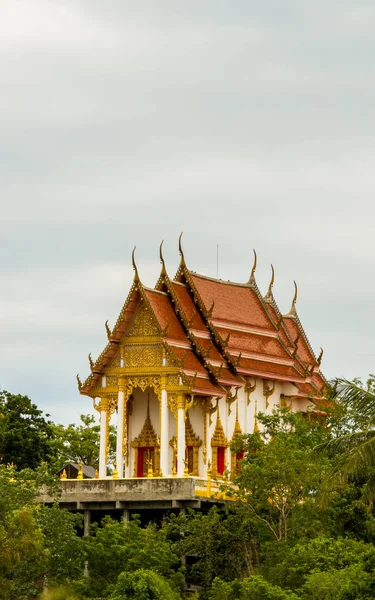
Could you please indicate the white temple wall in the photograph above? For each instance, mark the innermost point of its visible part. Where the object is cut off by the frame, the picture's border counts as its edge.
(257, 404)
(242, 409)
(196, 420)
(274, 400)
(302, 405)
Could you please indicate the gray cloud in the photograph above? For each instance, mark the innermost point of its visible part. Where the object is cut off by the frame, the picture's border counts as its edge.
(244, 124)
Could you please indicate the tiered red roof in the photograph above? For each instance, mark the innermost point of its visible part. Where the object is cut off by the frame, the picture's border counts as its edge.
(220, 332)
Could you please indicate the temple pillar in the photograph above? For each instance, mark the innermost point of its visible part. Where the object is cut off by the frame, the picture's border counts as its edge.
(103, 408)
(120, 428)
(180, 435)
(164, 430)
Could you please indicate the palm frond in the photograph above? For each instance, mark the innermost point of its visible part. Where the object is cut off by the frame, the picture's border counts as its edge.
(353, 395)
(359, 459)
(344, 443)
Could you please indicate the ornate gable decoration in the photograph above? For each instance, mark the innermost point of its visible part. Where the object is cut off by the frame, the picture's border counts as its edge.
(144, 324)
(190, 436)
(218, 438)
(147, 438)
(237, 427)
(143, 356)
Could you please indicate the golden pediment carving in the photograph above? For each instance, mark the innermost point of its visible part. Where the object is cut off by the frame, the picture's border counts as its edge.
(143, 356)
(143, 382)
(144, 324)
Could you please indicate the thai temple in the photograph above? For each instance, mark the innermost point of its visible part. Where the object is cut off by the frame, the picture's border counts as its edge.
(189, 365)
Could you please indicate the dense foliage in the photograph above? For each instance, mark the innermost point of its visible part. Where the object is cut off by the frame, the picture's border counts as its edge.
(26, 437)
(300, 523)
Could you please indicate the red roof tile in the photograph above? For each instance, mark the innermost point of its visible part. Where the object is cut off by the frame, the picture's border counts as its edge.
(260, 344)
(233, 303)
(163, 310)
(188, 305)
(259, 366)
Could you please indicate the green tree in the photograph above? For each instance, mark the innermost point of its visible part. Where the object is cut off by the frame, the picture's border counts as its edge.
(279, 477)
(250, 588)
(75, 443)
(224, 543)
(352, 442)
(291, 565)
(64, 550)
(125, 546)
(351, 583)
(22, 557)
(143, 584)
(25, 435)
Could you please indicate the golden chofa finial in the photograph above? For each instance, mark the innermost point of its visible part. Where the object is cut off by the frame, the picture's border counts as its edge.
(319, 359)
(252, 275)
(293, 312)
(79, 382)
(182, 261)
(108, 331)
(136, 275)
(269, 296)
(163, 269)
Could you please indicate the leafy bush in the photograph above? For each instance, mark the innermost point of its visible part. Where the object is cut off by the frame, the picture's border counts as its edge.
(143, 584)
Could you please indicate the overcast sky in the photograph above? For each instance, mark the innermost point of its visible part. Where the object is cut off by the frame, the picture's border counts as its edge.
(245, 124)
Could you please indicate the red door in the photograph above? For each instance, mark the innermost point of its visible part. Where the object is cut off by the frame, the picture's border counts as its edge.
(145, 455)
(220, 460)
(140, 462)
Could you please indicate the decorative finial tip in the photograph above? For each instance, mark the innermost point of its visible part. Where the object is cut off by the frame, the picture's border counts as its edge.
(295, 293)
(163, 270)
(252, 275)
(182, 262)
(269, 297)
(273, 276)
(136, 275)
(319, 360)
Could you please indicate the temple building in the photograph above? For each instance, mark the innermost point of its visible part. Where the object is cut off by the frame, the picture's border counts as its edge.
(189, 365)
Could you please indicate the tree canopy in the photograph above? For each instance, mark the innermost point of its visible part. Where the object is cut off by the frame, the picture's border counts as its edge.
(300, 524)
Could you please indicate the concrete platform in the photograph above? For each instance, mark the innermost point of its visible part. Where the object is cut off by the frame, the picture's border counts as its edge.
(132, 494)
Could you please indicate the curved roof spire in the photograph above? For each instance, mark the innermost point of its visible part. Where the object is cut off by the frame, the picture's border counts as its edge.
(163, 269)
(269, 296)
(293, 312)
(136, 274)
(252, 275)
(182, 261)
(319, 359)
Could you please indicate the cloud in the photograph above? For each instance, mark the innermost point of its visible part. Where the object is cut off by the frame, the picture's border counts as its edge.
(243, 124)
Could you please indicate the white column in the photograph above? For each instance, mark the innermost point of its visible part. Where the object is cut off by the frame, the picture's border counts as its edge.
(120, 432)
(180, 435)
(164, 433)
(103, 407)
(228, 434)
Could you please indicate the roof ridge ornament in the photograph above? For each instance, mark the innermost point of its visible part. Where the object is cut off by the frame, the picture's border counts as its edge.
(80, 385)
(136, 274)
(293, 312)
(269, 296)
(182, 261)
(252, 274)
(210, 310)
(163, 269)
(319, 359)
